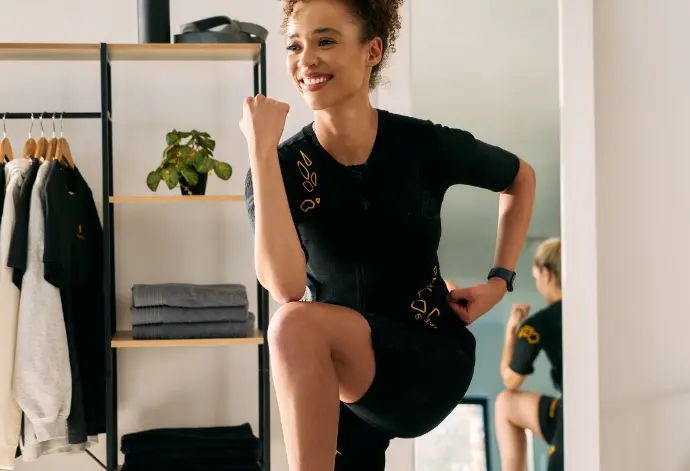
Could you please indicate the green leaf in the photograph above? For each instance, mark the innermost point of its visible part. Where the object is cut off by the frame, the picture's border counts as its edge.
(203, 163)
(209, 144)
(184, 134)
(172, 138)
(171, 177)
(190, 175)
(187, 155)
(152, 180)
(223, 170)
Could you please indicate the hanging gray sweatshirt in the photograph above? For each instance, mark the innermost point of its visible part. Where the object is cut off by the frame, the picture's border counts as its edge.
(10, 414)
(42, 374)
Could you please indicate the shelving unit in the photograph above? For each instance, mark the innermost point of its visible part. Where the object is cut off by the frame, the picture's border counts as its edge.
(177, 199)
(105, 54)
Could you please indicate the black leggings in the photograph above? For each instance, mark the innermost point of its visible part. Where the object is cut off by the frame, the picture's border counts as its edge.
(421, 376)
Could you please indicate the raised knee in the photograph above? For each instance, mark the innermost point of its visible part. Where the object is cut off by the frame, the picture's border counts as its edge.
(503, 403)
(289, 323)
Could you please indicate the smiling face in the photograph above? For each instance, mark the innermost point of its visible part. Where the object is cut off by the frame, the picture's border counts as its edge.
(326, 57)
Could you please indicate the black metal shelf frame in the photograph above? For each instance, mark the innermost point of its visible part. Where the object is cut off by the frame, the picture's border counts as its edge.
(112, 437)
(105, 115)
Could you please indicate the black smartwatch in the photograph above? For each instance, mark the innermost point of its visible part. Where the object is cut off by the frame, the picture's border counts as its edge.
(504, 274)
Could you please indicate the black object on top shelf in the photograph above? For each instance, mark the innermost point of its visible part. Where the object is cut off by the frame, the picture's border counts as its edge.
(154, 21)
(226, 31)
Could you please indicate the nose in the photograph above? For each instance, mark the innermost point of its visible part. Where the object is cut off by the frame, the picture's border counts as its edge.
(309, 57)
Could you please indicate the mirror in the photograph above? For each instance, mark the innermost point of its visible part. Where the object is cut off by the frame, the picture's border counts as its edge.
(490, 67)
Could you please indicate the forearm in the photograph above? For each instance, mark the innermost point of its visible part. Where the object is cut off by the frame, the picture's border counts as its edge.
(508, 350)
(514, 216)
(278, 256)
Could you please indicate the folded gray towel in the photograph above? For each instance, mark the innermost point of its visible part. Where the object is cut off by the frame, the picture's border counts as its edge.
(183, 315)
(204, 330)
(189, 295)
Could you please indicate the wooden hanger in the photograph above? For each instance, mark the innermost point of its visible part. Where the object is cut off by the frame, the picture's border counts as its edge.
(41, 144)
(30, 144)
(6, 153)
(51, 148)
(52, 144)
(63, 153)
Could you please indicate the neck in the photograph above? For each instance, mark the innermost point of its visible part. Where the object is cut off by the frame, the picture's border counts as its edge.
(554, 296)
(348, 130)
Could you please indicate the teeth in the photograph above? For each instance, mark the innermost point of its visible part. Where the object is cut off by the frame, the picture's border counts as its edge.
(315, 80)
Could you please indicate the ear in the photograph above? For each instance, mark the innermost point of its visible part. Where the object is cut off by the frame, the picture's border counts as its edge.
(375, 53)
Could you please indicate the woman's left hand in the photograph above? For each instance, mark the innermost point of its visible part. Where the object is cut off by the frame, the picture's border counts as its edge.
(473, 302)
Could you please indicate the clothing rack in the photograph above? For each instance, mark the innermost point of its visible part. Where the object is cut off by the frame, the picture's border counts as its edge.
(105, 54)
(52, 114)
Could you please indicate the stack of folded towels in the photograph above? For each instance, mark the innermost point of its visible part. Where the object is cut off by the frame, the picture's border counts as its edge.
(192, 449)
(190, 311)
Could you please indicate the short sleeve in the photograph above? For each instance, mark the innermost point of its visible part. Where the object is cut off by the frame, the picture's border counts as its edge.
(463, 159)
(249, 201)
(528, 344)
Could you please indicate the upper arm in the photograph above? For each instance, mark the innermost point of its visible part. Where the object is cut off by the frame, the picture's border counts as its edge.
(463, 159)
(527, 346)
(250, 205)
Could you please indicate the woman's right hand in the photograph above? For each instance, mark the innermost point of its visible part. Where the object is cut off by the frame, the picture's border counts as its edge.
(263, 122)
(517, 315)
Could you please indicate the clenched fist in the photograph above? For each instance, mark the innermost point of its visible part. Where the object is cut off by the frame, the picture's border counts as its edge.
(263, 122)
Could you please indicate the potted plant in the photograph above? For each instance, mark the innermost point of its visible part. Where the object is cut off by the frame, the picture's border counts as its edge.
(187, 162)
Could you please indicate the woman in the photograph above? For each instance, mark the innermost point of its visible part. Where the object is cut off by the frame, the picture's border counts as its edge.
(525, 339)
(346, 215)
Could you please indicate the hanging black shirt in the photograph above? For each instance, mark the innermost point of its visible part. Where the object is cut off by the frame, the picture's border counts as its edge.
(541, 331)
(371, 232)
(20, 236)
(3, 184)
(73, 260)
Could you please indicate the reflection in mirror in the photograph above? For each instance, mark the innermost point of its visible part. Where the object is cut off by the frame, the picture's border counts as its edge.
(460, 443)
(491, 67)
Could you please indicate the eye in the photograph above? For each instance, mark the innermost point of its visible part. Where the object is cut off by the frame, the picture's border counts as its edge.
(325, 42)
(291, 47)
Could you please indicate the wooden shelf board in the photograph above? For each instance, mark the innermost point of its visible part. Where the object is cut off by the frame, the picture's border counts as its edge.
(123, 339)
(130, 52)
(177, 199)
(184, 52)
(49, 51)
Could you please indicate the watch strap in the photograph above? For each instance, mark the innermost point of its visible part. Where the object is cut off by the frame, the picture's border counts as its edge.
(504, 274)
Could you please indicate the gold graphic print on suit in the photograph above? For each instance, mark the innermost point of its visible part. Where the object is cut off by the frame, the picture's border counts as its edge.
(309, 183)
(528, 333)
(420, 304)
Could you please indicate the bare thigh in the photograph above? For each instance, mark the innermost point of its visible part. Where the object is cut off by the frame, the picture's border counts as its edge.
(341, 331)
(520, 408)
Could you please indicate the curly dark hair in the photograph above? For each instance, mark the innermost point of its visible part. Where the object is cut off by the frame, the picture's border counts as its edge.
(380, 18)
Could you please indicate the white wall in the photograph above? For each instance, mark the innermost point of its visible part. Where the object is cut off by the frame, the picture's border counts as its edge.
(625, 119)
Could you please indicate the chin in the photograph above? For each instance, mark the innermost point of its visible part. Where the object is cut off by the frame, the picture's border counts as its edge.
(318, 103)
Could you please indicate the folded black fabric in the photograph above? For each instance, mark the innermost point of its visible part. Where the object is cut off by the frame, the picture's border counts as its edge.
(190, 466)
(189, 295)
(237, 457)
(161, 440)
(183, 315)
(203, 330)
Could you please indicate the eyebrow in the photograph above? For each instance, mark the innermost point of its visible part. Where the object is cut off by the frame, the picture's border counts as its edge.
(319, 31)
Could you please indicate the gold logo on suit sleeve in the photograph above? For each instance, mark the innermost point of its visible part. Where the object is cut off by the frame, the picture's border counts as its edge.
(310, 182)
(528, 333)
